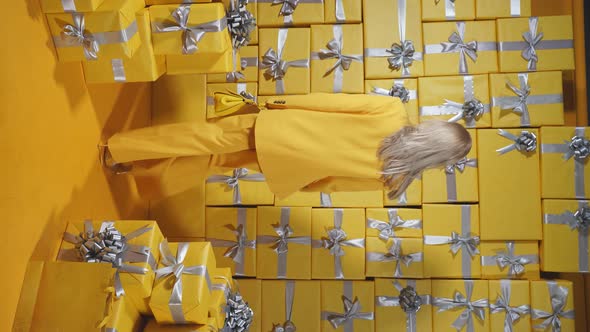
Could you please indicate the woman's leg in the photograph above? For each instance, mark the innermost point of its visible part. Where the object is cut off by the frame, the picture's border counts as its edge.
(226, 135)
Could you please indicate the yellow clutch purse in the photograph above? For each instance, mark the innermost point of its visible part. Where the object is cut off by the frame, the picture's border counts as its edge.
(228, 102)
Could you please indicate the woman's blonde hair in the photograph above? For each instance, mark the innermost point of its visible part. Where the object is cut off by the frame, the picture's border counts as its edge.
(413, 149)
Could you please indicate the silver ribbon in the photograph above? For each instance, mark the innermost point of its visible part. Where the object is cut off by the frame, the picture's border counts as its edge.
(352, 311)
(191, 35)
(77, 34)
(238, 314)
(502, 304)
(387, 228)
(68, 5)
(118, 70)
(526, 142)
(577, 221)
(174, 267)
(451, 176)
(397, 90)
(450, 12)
(403, 198)
(339, 11)
(276, 67)
(288, 7)
(463, 302)
(241, 23)
(408, 300)
(395, 254)
(552, 319)
(579, 149)
(335, 241)
(515, 8)
(236, 74)
(233, 182)
(325, 200)
(334, 51)
(280, 242)
(288, 325)
(507, 259)
(467, 242)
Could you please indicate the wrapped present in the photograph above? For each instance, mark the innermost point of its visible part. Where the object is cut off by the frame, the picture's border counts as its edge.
(564, 154)
(221, 287)
(108, 33)
(66, 6)
(491, 9)
(460, 304)
(527, 100)
(462, 99)
(176, 30)
(451, 241)
(130, 246)
(338, 242)
(343, 11)
(225, 99)
(251, 291)
(398, 258)
(510, 259)
(232, 233)
(244, 70)
(349, 199)
(535, 43)
(393, 39)
(201, 63)
(452, 48)
(565, 236)
(453, 183)
(441, 10)
(552, 305)
(153, 326)
(403, 305)
(411, 197)
(509, 188)
(394, 223)
(283, 243)
(348, 306)
(337, 58)
(182, 291)
(238, 187)
(278, 13)
(510, 305)
(144, 66)
(404, 89)
(290, 305)
(284, 63)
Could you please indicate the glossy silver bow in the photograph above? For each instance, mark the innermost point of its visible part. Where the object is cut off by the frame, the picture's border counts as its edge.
(288, 326)
(236, 251)
(461, 165)
(352, 311)
(552, 319)
(284, 233)
(238, 314)
(334, 51)
(469, 243)
(532, 39)
(470, 308)
(581, 220)
(78, 34)
(520, 105)
(276, 67)
(515, 263)
(471, 110)
(400, 91)
(457, 44)
(513, 314)
(233, 182)
(288, 6)
(395, 254)
(387, 229)
(241, 23)
(578, 148)
(402, 56)
(525, 142)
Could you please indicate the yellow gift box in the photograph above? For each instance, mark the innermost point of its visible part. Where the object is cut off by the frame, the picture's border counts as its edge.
(509, 188)
(389, 51)
(513, 294)
(232, 232)
(250, 189)
(283, 246)
(452, 48)
(191, 304)
(222, 285)
(337, 58)
(394, 223)
(343, 11)
(335, 199)
(347, 306)
(399, 258)
(272, 13)
(451, 241)
(207, 24)
(471, 313)
(144, 66)
(453, 183)
(510, 260)
(251, 290)
(491, 9)
(552, 298)
(290, 304)
(564, 166)
(565, 244)
(291, 46)
(61, 6)
(153, 326)
(252, 7)
(244, 70)
(248, 91)
(136, 271)
(405, 89)
(535, 43)
(527, 99)
(338, 242)
(389, 316)
(110, 32)
(461, 99)
(446, 10)
(201, 63)
(411, 197)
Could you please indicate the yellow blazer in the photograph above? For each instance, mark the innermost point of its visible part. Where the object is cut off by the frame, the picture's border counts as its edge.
(325, 142)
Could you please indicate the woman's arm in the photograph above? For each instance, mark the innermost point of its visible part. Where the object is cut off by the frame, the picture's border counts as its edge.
(340, 103)
(334, 183)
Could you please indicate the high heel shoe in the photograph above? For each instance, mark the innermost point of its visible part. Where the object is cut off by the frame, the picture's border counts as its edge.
(107, 161)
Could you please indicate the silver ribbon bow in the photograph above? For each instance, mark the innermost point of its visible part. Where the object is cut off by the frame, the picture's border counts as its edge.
(77, 33)
(502, 304)
(532, 39)
(467, 242)
(276, 67)
(408, 300)
(471, 110)
(395, 254)
(552, 319)
(174, 267)
(526, 142)
(456, 44)
(288, 325)
(402, 56)
(397, 90)
(352, 311)
(520, 106)
(233, 182)
(463, 302)
(516, 263)
(451, 176)
(387, 229)
(287, 6)
(241, 23)
(238, 314)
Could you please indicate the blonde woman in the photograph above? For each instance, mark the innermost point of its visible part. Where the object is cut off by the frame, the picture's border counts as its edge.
(317, 142)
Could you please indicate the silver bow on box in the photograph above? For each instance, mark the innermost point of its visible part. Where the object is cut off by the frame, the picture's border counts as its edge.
(502, 304)
(408, 300)
(241, 23)
(395, 254)
(288, 325)
(558, 295)
(507, 259)
(397, 90)
(78, 32)
(526, 142)
(462, 302)
(387, 228)
(238, 314)
(233, 182)
(451, 176)
(352, 311)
